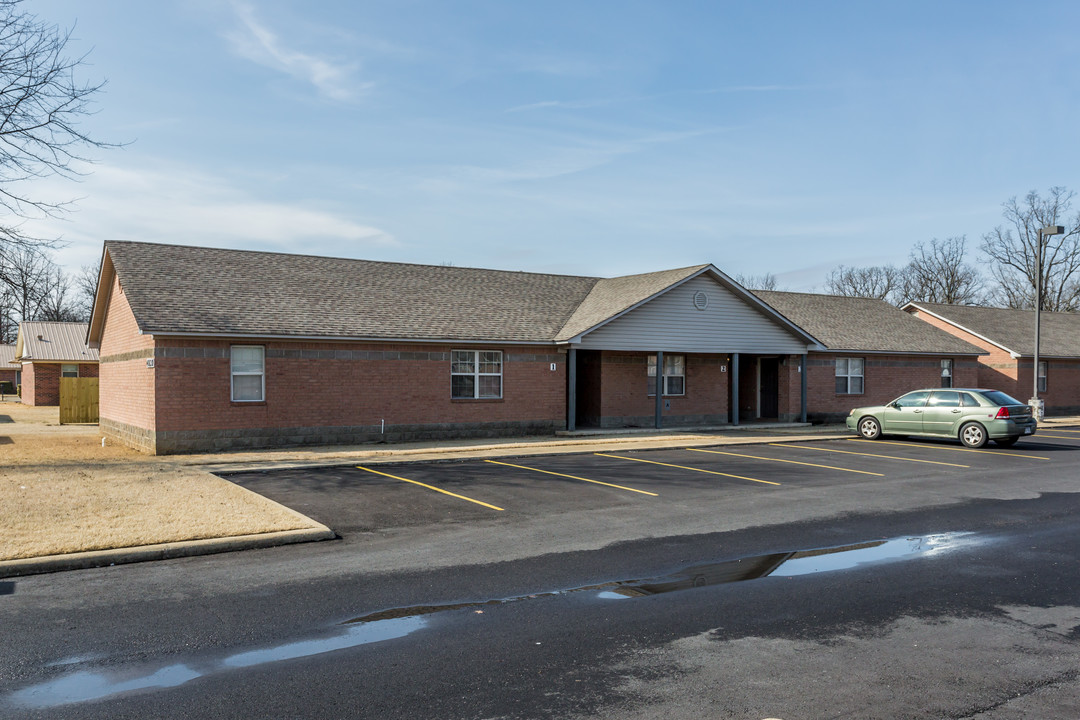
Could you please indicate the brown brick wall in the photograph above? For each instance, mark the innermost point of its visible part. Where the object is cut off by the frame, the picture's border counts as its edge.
(29, 372)
(885, 377)
(625, 400)
(126, 386)
(343, 387)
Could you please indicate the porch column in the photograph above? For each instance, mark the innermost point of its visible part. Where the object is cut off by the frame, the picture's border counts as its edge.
(571, 389)
(659, 389)
(802, 383)
(734, 388)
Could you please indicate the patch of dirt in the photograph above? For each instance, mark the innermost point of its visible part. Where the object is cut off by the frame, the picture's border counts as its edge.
(62, 491)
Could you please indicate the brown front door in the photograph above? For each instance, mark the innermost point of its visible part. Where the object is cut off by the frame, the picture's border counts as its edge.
(769, 388)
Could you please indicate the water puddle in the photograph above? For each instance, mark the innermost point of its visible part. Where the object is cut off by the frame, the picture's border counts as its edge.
(792, 564)
(86, 685)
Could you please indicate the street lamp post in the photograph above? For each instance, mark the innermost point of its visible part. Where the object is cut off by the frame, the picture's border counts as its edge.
(1035, 402)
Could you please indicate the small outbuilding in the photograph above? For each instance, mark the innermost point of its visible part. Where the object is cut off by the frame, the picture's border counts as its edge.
(1007, 338)
(48, 351)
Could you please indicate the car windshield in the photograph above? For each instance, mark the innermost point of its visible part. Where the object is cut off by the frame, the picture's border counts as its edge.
(999, 398)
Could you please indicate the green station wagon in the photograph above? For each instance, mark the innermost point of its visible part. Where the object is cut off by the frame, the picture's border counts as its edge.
(973, 416)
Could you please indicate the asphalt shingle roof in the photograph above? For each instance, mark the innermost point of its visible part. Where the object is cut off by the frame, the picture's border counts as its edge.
(866, 324)
(1014, 330)
(180, 289)
(54, 342)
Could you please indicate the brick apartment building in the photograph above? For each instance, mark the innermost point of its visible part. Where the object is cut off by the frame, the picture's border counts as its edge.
(49, 351)
(205, 349)
(872, 353)
(1008, 339)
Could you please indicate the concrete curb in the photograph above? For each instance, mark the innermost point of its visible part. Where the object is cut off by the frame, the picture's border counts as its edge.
(163, 551)
(555, 447)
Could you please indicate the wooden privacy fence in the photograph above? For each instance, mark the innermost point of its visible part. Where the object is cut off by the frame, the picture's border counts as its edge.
(78, 400)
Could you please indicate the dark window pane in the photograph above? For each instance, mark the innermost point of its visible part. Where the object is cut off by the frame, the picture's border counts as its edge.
(674, 386)
(462, 386)
(841, 385)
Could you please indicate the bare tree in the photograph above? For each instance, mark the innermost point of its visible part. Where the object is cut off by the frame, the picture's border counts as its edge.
(23, 273)
(757, 282)
(1013, 251)
(9, 319)
(938, 274)
(56, 300)
(85, 288)
(41, 104)
(885, 282)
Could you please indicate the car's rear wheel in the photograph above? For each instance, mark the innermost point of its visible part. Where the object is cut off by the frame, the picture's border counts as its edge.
(1007, 442)
(973, 435)
(870, 428)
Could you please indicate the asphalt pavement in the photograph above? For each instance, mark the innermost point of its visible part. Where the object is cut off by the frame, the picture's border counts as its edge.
(432, 605)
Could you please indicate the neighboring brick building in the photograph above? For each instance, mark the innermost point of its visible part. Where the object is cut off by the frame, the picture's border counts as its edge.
(873, 353)
(1008, 338)
(205, 349)
(49, 351)
(9, 370)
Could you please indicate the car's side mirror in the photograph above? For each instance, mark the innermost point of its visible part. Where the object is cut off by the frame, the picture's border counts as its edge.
(895, 404)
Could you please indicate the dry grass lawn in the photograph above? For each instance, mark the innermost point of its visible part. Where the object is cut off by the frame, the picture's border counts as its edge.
(62, 492)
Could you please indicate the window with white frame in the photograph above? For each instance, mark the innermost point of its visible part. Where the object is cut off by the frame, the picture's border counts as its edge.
(69, 370)
(248, 371)
(849, 376)
(476, 374)
(946, 373)
(674, 375)
(1042, 375)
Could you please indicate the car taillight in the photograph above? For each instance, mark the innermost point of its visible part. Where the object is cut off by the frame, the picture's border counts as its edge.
(1003, 414)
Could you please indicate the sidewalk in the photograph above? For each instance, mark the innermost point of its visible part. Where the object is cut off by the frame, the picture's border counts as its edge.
(585, 442)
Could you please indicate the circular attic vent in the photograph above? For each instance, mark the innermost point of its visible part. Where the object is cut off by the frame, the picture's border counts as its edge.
(701, 300)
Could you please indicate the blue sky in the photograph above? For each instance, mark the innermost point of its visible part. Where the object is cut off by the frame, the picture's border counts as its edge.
(593, 138)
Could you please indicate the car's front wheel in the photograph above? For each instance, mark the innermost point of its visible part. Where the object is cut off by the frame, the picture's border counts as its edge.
(870, 428)
(973, 435)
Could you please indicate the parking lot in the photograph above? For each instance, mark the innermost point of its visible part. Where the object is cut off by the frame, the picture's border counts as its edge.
(372, 498)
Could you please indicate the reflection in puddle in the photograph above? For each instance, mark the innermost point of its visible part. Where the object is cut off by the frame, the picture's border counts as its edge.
(791, 564)
(84, 686)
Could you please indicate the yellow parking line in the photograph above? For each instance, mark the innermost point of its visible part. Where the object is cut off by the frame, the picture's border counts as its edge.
(684, 467)
(1061, 429)
(429, 487)
(572, 477)
(1056, 437)
(793, 462)
(848, 452)
(950, 447)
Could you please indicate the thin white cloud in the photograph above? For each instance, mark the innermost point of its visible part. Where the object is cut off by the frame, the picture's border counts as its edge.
(256, 42)
(178, 205)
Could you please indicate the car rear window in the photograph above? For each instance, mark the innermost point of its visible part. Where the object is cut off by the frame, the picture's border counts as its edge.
(999, 398)
(968, 401)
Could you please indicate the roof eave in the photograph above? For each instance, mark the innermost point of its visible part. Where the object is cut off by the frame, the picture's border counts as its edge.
(957, 325)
